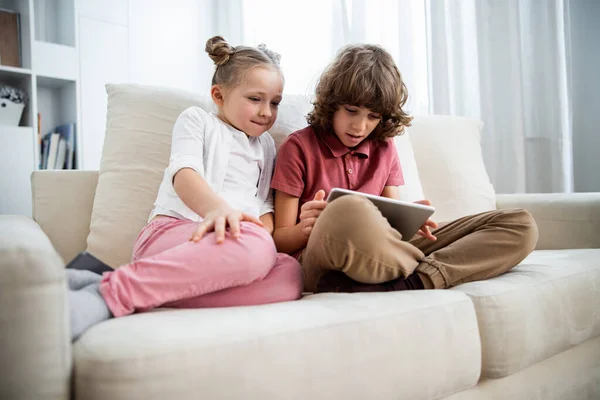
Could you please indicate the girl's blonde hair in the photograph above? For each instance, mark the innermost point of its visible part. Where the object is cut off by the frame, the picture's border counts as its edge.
(233, 63)
(364, 76)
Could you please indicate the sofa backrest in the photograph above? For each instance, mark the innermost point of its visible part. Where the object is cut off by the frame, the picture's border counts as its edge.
(137, 148)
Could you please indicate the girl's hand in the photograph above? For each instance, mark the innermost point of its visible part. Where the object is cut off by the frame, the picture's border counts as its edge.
(310, 211)
(218, 220)
(424, 230)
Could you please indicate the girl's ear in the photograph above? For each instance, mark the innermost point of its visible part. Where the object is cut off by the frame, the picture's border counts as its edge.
(216, 93)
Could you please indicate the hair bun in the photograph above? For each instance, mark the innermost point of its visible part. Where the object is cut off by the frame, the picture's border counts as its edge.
(276, 57)
(219, 50)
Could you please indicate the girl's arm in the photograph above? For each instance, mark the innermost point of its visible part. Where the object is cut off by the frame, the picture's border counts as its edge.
(186, 167)
(195, 192)
(186, 171)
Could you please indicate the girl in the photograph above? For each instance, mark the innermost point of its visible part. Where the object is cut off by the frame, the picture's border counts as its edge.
(208, 242)
(348, 245)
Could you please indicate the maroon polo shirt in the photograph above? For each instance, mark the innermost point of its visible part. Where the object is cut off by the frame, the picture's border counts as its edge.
(308, 162)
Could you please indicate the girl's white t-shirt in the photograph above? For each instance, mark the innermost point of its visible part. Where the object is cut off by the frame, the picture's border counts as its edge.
(241, 179)
(237, 168)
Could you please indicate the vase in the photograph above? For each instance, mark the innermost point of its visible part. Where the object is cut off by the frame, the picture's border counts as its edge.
(10, 112)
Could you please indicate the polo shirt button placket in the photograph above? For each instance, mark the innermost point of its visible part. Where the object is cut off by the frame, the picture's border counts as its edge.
(348, 157)
(349, 170)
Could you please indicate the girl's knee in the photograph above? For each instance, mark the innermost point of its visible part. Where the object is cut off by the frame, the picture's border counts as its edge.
(290, 282)
(259, 253)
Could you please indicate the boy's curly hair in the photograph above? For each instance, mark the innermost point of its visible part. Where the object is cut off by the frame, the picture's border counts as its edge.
(362, 75)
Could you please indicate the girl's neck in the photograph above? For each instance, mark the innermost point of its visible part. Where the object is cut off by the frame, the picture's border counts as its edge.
(224, 120)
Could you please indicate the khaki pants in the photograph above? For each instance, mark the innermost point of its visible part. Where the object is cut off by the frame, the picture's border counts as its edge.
(352, 236)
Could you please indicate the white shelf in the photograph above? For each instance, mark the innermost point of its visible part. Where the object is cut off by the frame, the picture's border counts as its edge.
(50, 77)
(18, 162)
(7, 72)
(55, 60)
(53, 83)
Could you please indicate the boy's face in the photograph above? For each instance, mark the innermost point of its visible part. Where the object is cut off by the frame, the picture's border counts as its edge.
(251, 106)
(353, 124)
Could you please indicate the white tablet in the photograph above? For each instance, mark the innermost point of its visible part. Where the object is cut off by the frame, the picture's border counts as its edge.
(407, 218)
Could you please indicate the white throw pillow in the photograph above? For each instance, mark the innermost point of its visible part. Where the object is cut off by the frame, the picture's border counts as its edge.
(450, 163)
(136, 151)
(411, 190)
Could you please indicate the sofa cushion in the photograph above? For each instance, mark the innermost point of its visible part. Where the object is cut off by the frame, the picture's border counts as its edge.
(419, 345)
(450, 163)
(548, 303)
(570, 375)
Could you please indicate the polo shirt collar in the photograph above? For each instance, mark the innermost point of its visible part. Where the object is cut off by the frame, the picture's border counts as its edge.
(338, 149)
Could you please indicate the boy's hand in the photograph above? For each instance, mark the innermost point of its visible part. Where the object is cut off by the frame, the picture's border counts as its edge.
(310, 211)
(424, 230)
(218, 220)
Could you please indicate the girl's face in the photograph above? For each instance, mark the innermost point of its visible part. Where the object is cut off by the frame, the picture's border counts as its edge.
(251, 106)
(353, 124)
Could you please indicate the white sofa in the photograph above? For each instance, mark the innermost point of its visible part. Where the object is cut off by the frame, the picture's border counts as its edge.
(532, 333)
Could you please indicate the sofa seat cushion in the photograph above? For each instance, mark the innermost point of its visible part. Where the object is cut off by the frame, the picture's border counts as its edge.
(548, 303)
(419, 345)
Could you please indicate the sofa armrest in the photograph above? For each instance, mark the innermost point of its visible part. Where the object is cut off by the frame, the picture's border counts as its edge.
(62, 206)
(35, 347)
(565, 220)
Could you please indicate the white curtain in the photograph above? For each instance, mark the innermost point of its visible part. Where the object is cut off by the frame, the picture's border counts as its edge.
(502, 61)
(506, 62)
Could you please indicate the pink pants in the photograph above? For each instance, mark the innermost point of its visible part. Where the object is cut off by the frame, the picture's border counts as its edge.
(169, 270)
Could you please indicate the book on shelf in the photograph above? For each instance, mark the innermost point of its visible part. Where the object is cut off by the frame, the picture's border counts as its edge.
(53, 140)
(58, 148)
(39, 128)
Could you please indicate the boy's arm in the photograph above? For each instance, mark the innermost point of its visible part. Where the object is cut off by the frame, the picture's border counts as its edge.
(391, 192)
(267, 220)
(288, 234)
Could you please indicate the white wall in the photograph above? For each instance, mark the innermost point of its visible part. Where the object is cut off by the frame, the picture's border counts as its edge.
(585, 53)
(166, 42)
(103, 57)
(149, 42)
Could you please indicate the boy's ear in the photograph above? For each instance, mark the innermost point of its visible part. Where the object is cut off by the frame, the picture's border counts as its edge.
(216, 93)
